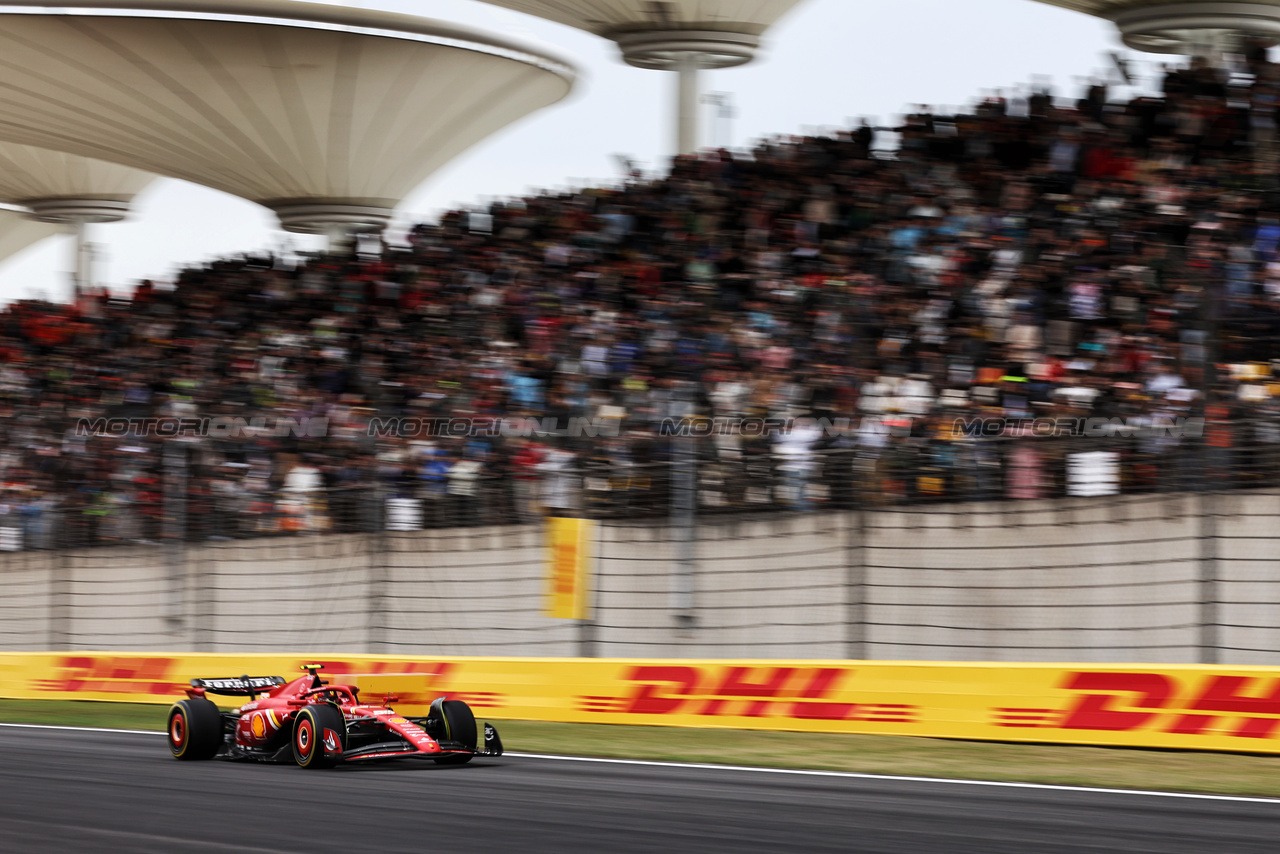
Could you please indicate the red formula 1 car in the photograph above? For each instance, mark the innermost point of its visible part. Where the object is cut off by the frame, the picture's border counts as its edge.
(318, 725)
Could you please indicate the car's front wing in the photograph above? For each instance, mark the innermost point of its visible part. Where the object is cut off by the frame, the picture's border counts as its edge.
(401, 748)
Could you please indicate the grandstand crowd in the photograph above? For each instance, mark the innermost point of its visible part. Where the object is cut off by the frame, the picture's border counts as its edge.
(1026, 260)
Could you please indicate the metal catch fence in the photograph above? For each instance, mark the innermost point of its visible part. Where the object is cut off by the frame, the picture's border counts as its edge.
(1156, 577)
(908, 466)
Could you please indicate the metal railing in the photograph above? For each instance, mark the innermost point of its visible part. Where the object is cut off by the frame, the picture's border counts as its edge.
(742, 478)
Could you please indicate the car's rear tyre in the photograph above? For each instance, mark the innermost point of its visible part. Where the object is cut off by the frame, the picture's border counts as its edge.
(195, 729)
(317, 731)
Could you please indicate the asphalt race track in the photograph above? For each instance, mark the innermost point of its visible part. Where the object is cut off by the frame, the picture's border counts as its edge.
(97, 791)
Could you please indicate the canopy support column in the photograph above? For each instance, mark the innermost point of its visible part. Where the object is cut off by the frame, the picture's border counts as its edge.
(687, 67)
(82, 276)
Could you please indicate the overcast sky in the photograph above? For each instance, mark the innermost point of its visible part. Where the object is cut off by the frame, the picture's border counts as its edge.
(825, 64)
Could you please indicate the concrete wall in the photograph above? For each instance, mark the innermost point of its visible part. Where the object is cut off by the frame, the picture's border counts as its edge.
(1091, 580)
(1247, 565)
(120, 598)
(279, 594)
(771, 588)
(468, 591)
(26, 596)
(1036, 581)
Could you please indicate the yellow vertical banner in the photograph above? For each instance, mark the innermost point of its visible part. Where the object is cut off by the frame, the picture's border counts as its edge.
(568, 559)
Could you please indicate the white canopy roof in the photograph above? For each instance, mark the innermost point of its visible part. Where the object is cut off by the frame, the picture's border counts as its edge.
(1169, 26)
(59, 186)
(18, 231)
(331, 116)
(611, 17)
(1108, 8)
(650, 32)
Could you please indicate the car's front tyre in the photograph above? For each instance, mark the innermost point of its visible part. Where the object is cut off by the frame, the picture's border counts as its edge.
(319, 736)
(457, 725)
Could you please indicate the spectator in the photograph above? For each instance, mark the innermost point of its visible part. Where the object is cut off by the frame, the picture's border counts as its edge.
(1114, 260)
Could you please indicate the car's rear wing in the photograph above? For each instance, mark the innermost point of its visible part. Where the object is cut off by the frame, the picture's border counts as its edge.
(239, 686)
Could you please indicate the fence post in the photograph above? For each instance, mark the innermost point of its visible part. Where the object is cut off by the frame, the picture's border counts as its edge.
(201, 604)
(587, 626)
(684, 508)
(1208, 582)
(59, 598)
(855, 583)
(376, 547)
(174, 460)
(1208, 505)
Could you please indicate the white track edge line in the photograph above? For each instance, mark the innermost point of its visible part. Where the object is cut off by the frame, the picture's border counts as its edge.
(854, 775)
(801, 772)
(88, 729)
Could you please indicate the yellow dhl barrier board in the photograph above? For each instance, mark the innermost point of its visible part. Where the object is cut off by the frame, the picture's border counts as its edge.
(1205, 708)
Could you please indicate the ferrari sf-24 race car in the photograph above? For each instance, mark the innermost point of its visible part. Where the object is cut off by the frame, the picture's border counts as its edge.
(317, 725)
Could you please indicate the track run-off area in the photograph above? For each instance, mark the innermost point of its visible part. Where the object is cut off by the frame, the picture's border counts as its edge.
(68, 789)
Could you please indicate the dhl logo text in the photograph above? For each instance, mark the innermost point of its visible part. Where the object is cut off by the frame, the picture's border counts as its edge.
(112, 674)
(1222, 704)
(164, 675)
(805, 693)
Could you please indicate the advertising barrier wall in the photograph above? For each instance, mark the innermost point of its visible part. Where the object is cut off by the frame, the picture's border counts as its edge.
(1203, 708)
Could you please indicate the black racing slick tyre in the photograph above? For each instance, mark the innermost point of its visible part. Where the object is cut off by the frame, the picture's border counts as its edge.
(319, 736)
(459, 728)
(195, 729)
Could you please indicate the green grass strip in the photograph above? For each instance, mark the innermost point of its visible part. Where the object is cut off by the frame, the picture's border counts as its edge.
(1110, 767)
